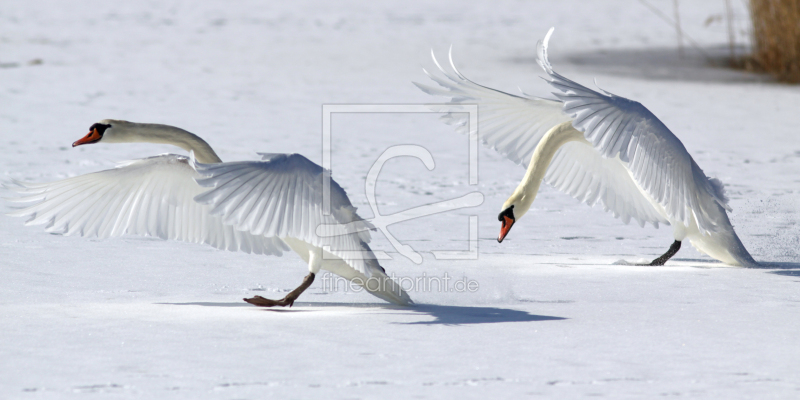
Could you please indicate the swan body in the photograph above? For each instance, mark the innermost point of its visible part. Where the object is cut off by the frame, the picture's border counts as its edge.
(261, 207)
(599, 148)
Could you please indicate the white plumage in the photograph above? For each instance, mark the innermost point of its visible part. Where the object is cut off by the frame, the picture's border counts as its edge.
(622, 156)
(151, 197)
(282, 197)
(261, 207)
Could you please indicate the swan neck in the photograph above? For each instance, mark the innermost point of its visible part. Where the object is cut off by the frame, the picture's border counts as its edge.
(156, 133)
(556, 137)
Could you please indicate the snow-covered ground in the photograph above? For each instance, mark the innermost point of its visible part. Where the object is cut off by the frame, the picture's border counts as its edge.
(551, 317)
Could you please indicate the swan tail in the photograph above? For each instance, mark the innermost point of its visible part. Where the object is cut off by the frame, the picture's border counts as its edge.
(376, 283)
(381, 285)
(740, 253)
(384, 287)
(724, 246)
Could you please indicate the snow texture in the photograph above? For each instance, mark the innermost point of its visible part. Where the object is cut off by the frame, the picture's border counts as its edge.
(553, 317)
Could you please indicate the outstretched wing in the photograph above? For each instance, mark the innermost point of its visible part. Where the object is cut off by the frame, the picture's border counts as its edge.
(514, 125)
(152, 196)
(657, 160)
(282, 196)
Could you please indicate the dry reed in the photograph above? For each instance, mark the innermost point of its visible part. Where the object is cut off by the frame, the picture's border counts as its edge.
(776, 38)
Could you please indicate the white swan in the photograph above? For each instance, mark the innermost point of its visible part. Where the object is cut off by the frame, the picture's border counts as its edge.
(599, 147)
(253, 206)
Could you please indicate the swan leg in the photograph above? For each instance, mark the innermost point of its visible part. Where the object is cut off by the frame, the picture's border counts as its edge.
(676, 245)
(286, 301)
(314, 255)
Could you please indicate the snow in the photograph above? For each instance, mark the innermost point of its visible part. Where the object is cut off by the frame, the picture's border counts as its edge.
(553, 316)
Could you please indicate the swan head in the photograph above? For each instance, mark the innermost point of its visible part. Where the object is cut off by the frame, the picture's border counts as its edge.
(97, 132)
(507, 219)
(513, 209)
(119, 131)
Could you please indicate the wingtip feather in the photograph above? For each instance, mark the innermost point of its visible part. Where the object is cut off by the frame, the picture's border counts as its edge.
(436, 62)
(453, 65)
(541, 52)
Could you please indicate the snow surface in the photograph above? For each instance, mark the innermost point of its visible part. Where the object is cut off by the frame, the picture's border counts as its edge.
(553, 317)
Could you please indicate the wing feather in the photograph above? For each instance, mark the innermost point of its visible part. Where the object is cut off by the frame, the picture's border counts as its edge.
(656, 158)
(514, 125)
(282, 197)
(152, 196)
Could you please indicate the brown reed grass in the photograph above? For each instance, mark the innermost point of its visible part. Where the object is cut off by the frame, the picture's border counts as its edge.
(776, 38)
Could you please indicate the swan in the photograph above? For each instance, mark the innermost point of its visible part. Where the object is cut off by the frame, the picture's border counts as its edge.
(598, 147)
(261, 207)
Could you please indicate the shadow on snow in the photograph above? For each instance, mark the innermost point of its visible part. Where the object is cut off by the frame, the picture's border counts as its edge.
(443, 315)
(463, 315)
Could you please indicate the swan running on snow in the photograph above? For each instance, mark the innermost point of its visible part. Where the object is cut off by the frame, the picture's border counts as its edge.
(599, 147)
(252, 206)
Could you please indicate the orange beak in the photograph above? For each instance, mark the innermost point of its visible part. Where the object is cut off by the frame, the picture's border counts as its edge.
(91, 137)
(507, 223)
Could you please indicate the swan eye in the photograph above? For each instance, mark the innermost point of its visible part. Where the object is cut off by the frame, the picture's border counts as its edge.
(99, 128)
(508, 212)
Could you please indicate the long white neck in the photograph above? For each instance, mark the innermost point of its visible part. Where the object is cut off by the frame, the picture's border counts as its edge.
(527, 190)
(131, 132)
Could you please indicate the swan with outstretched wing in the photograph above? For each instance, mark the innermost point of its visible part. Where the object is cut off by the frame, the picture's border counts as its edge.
(598, 148)
(262, 207)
